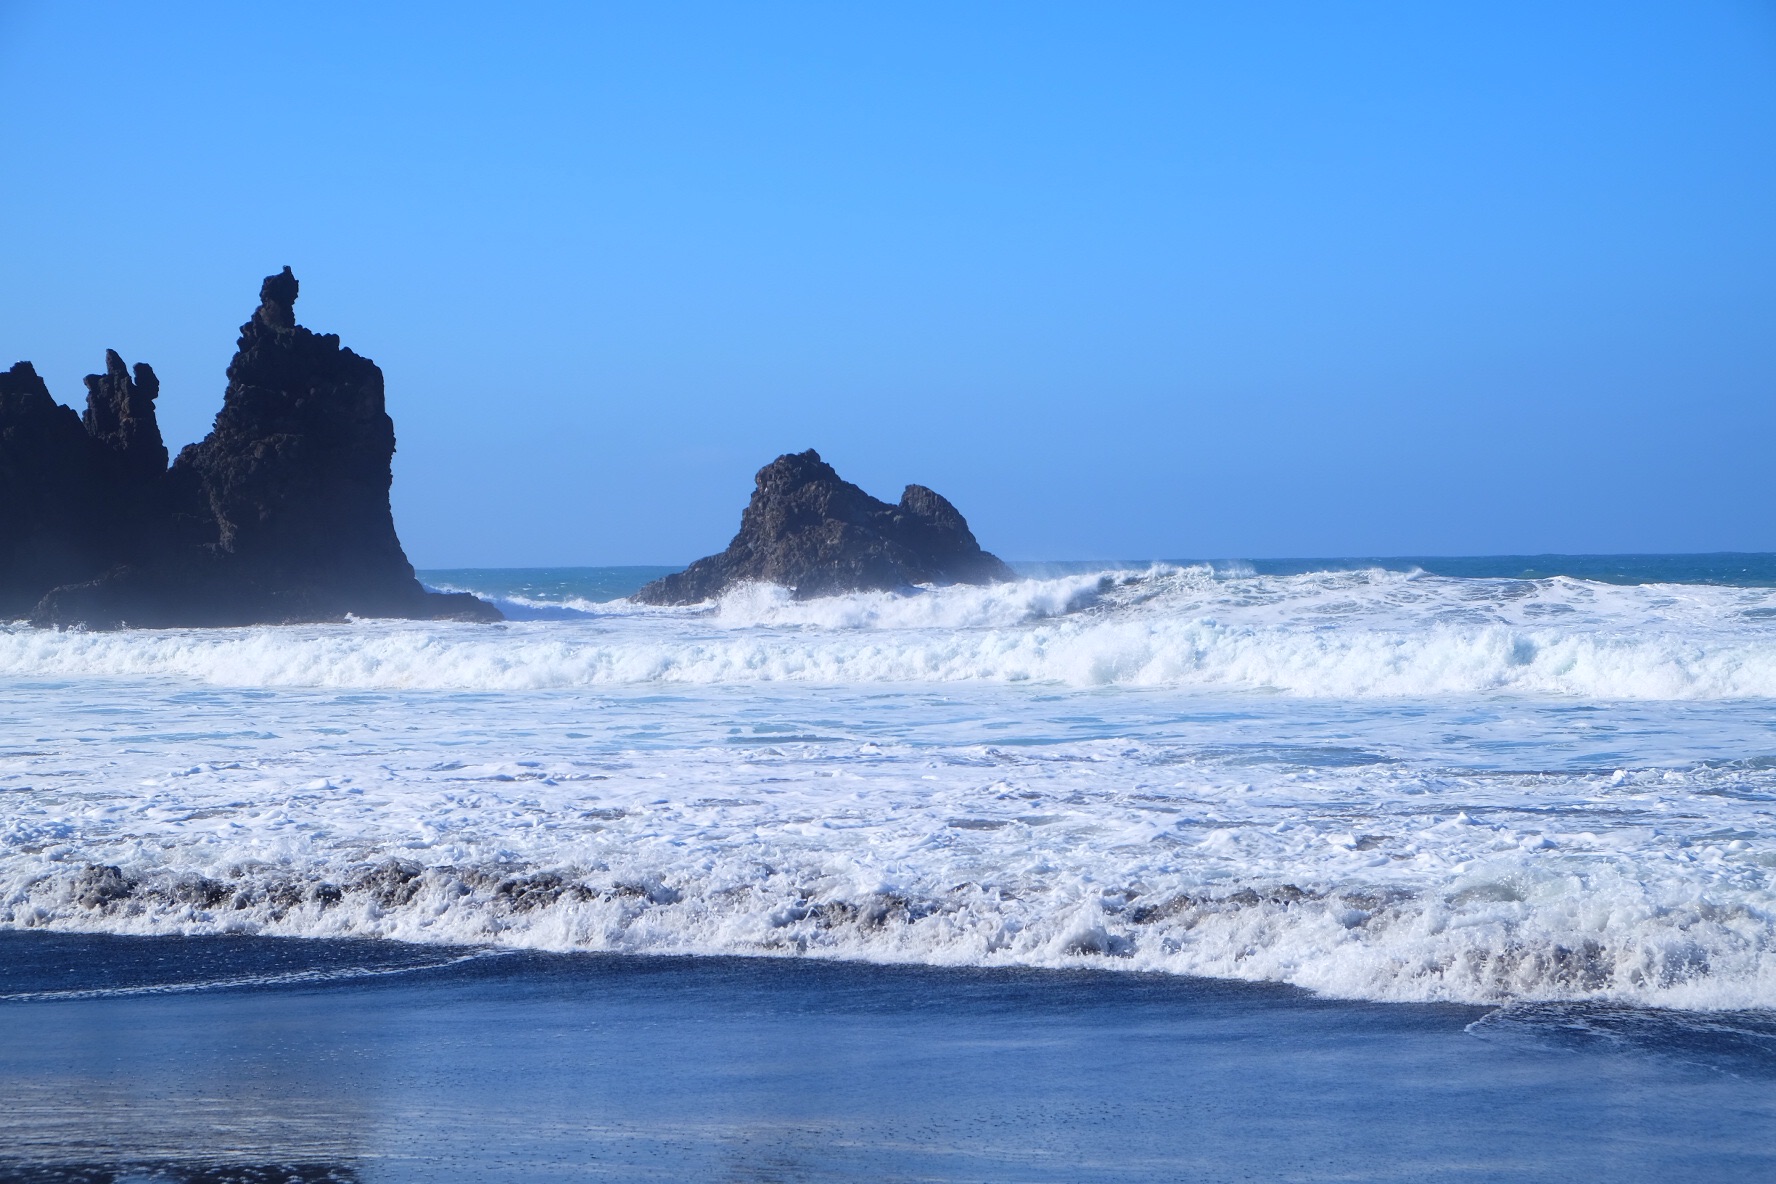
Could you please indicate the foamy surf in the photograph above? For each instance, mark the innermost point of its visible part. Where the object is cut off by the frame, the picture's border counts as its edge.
(1374, 784)
(1372, 634)
(1511, 933)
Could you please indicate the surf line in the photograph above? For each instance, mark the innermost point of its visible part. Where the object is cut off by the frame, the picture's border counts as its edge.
(256, 980)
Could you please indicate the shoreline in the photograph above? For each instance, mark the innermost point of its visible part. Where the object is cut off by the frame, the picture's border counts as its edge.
(391, 1063)
(420, 956)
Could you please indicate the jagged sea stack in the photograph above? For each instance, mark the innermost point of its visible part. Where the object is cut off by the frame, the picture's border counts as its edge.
(280, 515)
(58, 498)
(296, 475)
(811, 531)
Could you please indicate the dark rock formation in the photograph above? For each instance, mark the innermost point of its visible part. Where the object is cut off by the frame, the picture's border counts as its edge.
(810, 530)
(120, 416)
(280, 515)
(56, 495)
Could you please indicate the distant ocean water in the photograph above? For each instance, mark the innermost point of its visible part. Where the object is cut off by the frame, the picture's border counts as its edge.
(1493, 780)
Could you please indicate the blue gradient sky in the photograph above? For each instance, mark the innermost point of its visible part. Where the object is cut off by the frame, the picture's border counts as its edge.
(1121, 280)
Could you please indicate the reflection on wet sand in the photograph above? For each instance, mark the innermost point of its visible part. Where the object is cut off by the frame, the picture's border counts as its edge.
(571, 1068)
(178, 1172)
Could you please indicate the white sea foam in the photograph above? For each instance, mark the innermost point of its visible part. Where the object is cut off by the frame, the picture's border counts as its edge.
(1339, 635)
(1437, 905)
(1465, 790)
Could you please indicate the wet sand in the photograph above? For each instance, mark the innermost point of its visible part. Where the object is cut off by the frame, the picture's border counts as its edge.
(217, 1059)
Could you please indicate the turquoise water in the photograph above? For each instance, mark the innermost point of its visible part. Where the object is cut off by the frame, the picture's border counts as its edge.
(547, 585)
(561, 585)
(1730, 568)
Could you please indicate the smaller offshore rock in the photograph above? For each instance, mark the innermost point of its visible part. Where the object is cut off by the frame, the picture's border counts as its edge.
(809, 530)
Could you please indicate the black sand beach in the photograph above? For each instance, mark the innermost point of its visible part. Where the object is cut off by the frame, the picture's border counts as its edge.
(242, 1059)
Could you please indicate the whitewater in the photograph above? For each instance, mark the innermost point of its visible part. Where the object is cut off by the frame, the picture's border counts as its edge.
(1372, 783)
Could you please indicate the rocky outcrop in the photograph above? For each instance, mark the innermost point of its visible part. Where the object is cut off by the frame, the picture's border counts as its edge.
(280, 515)
(120, 418)
(809, 530)
(57, 496)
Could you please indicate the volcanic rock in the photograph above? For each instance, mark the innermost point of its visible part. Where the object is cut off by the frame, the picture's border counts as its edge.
(120, 417)
(280, 515)
(57, 504)
(809, 530)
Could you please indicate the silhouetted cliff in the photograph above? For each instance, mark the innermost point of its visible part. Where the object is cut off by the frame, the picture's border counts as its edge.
(281, 514)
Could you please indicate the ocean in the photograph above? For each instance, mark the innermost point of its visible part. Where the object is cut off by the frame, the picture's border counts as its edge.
(1531, 798)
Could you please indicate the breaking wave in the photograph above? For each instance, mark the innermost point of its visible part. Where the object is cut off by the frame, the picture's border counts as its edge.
(1369, 634)
(1507, 934)
(1374, 784)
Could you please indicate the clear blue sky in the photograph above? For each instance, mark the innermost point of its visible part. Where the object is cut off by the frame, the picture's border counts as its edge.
(1122, 280)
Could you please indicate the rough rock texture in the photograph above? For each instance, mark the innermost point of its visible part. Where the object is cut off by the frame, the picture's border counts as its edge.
(56, 507)
(810, 530)
(280, 515)
(120, 416)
